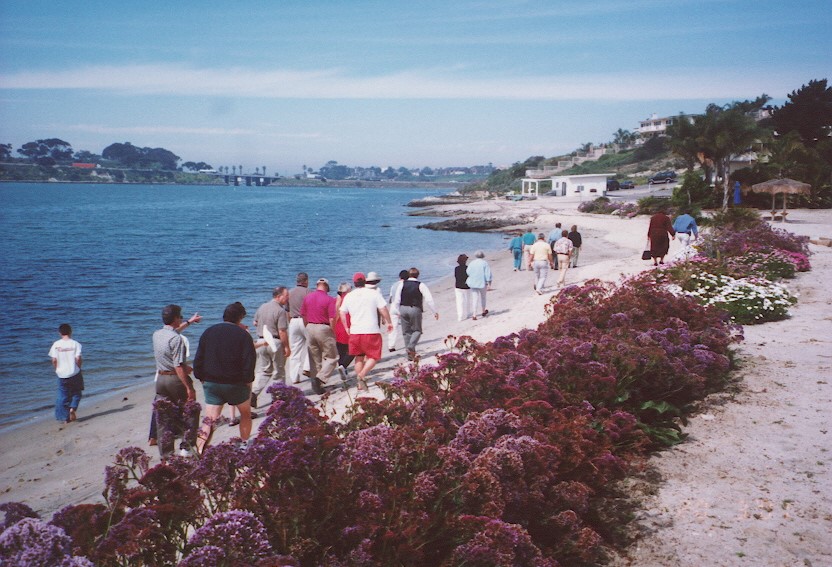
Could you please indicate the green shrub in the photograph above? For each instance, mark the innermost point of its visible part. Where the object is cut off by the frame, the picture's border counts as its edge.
(652, 205)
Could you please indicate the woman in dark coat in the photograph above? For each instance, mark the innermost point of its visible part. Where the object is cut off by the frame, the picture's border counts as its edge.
(658, 233)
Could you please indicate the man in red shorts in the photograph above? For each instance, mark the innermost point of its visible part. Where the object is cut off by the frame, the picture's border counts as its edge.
(364, 305)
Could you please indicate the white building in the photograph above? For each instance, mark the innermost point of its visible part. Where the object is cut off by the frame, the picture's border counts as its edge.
(656, 126)
(586, 185)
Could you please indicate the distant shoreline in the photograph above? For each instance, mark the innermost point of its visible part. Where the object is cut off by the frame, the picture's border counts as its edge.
(281, 183)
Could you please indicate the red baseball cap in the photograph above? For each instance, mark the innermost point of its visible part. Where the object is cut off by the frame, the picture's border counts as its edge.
(358, 276)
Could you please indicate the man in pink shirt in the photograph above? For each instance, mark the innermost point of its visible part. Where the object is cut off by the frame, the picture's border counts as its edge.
(318, 313)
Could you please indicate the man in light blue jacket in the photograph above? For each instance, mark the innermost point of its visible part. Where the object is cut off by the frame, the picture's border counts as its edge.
(479, 280)
(686, 229)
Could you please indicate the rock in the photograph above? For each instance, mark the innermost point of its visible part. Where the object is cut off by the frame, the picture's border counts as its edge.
(473, 224)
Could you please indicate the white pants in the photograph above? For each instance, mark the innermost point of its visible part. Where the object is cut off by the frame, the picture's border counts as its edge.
(541, 270)
(394, 332)
(563, 266)
(463, 303)
(299, 345)
(477, 300)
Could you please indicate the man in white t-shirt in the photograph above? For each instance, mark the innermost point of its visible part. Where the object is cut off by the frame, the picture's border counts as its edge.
(66, 359)
(364, 306)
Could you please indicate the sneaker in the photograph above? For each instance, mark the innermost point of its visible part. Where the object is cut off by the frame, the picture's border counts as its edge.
(233, 422)
(184, 453)
(317, 386)
(254, 415)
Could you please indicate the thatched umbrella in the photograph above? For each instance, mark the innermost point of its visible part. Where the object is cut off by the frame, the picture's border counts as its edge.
(785, 186)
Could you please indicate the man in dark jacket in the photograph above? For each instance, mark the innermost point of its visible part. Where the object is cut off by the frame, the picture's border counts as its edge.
(224, 363)
(575, 237)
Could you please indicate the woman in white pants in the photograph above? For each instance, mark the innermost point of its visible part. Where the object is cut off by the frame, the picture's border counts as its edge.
(461, 289)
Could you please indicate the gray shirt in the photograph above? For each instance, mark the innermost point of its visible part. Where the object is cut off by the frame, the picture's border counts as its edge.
(272, 315)
(168, 348)
(296, 295)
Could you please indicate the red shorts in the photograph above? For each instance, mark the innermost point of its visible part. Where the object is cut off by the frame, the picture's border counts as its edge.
(366, 345)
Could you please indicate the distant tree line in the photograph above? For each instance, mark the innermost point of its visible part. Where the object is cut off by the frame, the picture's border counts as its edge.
(54, 151)
(333, 170)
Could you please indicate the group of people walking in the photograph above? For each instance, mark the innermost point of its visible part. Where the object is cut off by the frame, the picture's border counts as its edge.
(301, 333)
(540, 254)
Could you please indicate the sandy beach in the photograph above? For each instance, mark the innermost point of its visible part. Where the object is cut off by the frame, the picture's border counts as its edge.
(752, 485)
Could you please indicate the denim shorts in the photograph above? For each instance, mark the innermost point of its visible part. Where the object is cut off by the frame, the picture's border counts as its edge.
(217, 394)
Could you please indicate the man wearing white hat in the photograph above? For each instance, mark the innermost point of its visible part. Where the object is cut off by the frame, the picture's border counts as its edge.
(364, 305)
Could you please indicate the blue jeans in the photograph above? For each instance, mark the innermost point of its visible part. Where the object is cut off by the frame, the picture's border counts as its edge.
(518, 259)
(69, 395)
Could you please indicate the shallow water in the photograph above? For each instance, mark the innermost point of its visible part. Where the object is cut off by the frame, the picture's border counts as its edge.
(106, 258)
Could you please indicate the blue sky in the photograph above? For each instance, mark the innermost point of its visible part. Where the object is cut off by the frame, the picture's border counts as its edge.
(283, 84)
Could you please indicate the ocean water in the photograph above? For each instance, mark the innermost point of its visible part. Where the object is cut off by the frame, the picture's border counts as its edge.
(107, 258)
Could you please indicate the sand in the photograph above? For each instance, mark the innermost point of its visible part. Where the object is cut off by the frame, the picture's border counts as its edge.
(751, 486)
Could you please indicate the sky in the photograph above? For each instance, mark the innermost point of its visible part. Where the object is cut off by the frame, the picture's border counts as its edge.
(286, 84)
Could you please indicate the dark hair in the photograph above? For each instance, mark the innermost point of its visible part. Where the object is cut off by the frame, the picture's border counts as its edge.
(461, 259)
(404, 274)
(303, 277)
(360, 282)
(574, 228)
(65, 329)
(170, 313)
(564, 233)
(234, 313)
(414, 272)
(278, 291)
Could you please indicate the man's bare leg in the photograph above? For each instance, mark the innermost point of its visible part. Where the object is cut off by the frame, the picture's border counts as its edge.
(245, 419)
(212, 414)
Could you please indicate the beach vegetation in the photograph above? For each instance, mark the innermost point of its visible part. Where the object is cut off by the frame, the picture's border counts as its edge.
(739, 266)
(693, 191)
(501, 453)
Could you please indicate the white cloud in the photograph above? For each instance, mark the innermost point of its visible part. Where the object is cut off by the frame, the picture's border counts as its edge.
(99, 129)
(445, 83)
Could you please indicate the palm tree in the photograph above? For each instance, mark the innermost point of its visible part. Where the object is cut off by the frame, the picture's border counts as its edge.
(233, 170)
(682, 135)
(623, 137)
(264, 171)
(726, 131)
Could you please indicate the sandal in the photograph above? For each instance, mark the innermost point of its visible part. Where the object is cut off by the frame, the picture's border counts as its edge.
(362, 385)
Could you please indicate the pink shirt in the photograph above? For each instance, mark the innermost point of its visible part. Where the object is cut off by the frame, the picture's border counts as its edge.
(318, 307)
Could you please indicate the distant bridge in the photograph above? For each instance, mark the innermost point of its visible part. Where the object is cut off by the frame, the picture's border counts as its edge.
(247, 179)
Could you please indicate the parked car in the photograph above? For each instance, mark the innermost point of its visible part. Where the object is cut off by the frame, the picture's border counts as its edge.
(663, 177)
(627, 184)
(613, 185)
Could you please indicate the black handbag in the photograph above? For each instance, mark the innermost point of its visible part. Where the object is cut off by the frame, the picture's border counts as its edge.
(646, 254)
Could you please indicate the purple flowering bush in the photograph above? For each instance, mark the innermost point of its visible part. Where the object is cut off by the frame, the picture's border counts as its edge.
(499, 454)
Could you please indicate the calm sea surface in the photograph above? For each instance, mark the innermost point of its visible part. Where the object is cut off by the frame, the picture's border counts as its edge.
(106, 258)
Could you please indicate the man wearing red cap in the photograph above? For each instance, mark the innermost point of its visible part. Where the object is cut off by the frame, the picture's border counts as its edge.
(364, 305)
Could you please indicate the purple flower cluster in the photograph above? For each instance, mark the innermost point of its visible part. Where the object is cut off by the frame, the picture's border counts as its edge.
(31, 542)
(238, 534)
